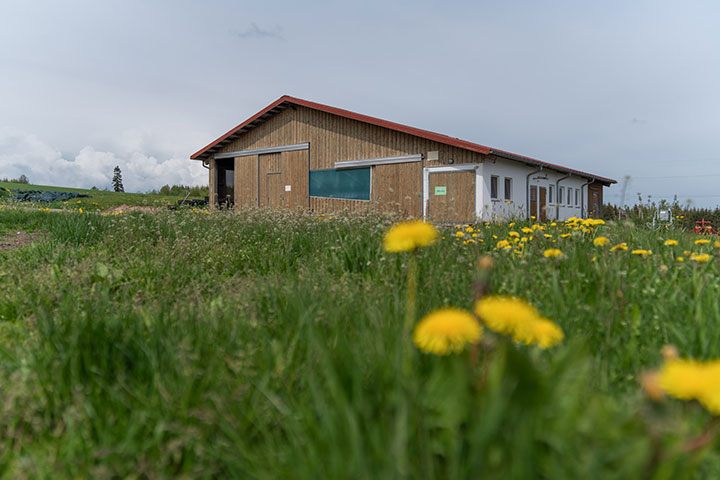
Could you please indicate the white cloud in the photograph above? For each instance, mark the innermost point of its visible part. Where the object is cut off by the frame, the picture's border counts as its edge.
(24, 153)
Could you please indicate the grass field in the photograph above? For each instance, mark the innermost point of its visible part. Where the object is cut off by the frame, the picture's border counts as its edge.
(272, 345)
(99, 199)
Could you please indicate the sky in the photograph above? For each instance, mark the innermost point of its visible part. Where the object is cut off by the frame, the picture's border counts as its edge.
(626, 90)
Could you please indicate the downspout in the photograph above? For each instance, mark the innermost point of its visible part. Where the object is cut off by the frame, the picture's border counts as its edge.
(557, 195)
(206, 166)
(582, 197)
(527, 189)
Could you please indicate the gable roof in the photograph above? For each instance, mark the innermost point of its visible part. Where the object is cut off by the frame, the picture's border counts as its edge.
(285, 101)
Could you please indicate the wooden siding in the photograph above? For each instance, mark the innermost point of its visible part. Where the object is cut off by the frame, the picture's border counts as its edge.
(458, 203)
(246, 194)
(295, 175)
(269, 165)
(396, 187)
(332, 205)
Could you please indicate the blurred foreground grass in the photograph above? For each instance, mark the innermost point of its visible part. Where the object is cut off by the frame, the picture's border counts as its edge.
(269, 345)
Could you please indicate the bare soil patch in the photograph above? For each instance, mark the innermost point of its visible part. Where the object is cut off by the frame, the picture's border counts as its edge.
(18, 238)
(134, 208)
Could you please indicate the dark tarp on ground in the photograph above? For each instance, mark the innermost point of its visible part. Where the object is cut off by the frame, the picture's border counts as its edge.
(46, 196)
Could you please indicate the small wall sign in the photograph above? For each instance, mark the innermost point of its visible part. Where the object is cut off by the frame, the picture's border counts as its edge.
(441, 190)
(288, 188)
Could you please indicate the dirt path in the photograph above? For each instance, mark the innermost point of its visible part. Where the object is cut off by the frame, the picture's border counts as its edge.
(18, 238)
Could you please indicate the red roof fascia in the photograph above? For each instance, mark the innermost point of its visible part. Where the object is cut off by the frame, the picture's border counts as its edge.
(437, 137)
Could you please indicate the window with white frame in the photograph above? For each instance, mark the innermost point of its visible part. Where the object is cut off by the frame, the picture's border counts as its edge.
(569, 199)
(508, 188)
(550, 194)
(494, 187)
(561, 195)
(577, 197)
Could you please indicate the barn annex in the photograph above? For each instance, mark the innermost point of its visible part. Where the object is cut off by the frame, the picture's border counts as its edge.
(303, 155)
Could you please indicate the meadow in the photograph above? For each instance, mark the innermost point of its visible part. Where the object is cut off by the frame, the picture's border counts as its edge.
(264, 344)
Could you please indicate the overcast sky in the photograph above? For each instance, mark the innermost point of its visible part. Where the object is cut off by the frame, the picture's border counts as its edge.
(615, 88)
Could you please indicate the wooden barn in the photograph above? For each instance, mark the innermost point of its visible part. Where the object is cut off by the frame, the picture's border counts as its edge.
(303, 155)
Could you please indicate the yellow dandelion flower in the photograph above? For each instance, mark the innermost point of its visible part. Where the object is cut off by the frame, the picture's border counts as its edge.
(526, 230)
(700, 258)
(80, 210)
(601, 241)
(469, 229)
(513, 234)
(693, 380)
(670, 242)
(680, 259)
(553, 224)
(511, 224)
(518, 319)
(702, 241)
(547, 235)
(540, 331)
(459, 234)
(447, 330)
(565, 235)
(474, 235)
(619, 247)
(503, 244)
(716, 244)
(552, 253)
(643, 253)
(409, 236)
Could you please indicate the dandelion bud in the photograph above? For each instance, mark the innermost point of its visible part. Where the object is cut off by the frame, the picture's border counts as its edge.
(486, 262)
(669, 352)
(650, 382)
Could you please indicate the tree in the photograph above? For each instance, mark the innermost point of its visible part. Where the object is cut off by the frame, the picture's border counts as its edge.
(117, 180)
(23, 179)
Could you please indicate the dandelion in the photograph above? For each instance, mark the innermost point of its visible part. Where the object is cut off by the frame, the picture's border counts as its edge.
(700, 258)
(526, 230)
(409, 236)
(716, 244)
(459, 234)
(547, 235)
(513, 234)
(620, 246)
(670, 242)
(552, 253)
(601, 241)
(702, 241)
(503, 244)
(469, 229)
(447, 330)
(693, 380)
(680, 259)
(518, 319)
(643, 253)
(565, 235)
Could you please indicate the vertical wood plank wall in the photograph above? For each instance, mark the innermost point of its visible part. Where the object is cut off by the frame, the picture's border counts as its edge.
(246, 194)
(332, 138)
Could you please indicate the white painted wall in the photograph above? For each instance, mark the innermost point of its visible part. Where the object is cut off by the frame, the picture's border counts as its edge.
(499, 209)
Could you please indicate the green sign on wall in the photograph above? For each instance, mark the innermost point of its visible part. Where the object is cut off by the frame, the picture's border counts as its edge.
(441, 190)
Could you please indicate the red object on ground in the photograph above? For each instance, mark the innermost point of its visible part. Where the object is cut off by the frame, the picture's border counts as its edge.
(704, 227)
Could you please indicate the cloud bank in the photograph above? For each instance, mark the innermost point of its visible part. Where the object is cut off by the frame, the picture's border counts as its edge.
(25, 153)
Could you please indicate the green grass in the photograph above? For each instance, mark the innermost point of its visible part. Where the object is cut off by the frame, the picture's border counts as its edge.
(271, 345)
(99, 199)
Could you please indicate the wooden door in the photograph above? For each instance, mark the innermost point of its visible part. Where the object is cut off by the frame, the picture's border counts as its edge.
(451, 197)
(275, 198)
(533, 201)
(463, 196)
(269, 163)
(542, 215)
(398, 188)
(295, 179)
(440, 197)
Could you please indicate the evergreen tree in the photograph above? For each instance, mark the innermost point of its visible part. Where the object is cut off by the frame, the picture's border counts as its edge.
(117, 180)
